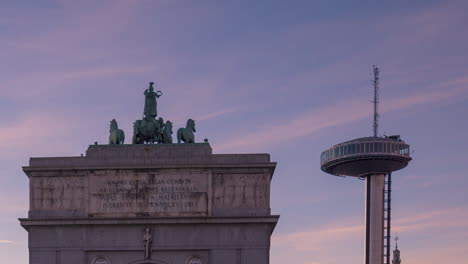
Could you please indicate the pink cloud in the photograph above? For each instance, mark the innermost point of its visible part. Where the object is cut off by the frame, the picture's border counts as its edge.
(321, 243)
(106, 71)
(47, 82)
(451, 218)
(217, 114)
(38, 132)
(443, 91)
(318, 238)
(81, 25)
(401, 33)
(342, 112)
(95, 27)
(301, 126)
(13, 203)
(440, 253)
(208, 104)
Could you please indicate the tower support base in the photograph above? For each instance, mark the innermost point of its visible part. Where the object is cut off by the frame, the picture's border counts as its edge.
(375, 184)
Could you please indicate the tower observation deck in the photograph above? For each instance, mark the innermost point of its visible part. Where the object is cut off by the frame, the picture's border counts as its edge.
(373, 159)
(363, 156)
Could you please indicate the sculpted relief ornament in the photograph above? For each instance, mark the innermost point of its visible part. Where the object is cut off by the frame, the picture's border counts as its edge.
(148, 241)
(194, 260)
(101, 260)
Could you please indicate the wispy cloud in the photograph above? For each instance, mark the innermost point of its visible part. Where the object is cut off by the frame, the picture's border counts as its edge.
(106, 71)
(319, 244)
(36, 132)
(48, 82)
(316, 239)
(451, 218)
(78, 25)
(300, 126)
(7, 242)
(30, 128)
(13, 203)
(18, 207)
(217, 114)
(82, 45)
(444, 91)
(320, 237)
(440, 253)
(342, 112)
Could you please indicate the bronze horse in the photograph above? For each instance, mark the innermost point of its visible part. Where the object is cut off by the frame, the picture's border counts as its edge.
(117, 136)
(186, 134)
(167, 133)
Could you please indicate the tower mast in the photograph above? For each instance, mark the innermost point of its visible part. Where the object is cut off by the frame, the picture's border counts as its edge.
(376, 100)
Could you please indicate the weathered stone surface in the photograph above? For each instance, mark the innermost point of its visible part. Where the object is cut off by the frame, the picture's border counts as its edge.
(216, 239)
(199, 206)
(241, 191)
(161, 155)
(58, 193)
(150, 180)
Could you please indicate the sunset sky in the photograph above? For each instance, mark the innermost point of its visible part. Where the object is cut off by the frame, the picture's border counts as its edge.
(289, 78)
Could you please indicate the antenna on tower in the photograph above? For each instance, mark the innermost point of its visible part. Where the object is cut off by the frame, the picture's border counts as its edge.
(376, 99)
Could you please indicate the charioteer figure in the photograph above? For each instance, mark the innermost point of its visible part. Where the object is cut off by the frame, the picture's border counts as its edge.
(149, 129)
(150, 110)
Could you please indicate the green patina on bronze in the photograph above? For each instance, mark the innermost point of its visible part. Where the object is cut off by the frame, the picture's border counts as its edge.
(167, 133)
(186, 134)
(146, 130)
(117, 136)
(150, 110)
(151, 129)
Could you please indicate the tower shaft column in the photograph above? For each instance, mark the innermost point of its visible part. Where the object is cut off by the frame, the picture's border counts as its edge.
(375, 184)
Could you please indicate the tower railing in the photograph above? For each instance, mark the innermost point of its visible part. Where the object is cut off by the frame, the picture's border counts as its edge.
(370, 147)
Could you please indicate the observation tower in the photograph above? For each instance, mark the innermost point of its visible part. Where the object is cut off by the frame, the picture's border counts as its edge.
(372, 159)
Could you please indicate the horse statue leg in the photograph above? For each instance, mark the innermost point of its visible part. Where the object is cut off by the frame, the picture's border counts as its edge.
(121, 136)
(179, 135)
(113, 138)
(136, 132)
(190, 137)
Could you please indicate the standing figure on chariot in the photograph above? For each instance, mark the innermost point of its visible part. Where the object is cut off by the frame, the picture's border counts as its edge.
(149, 129)
(150, 111)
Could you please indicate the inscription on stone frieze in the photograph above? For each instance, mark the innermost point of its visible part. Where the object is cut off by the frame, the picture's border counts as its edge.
(152, 194)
